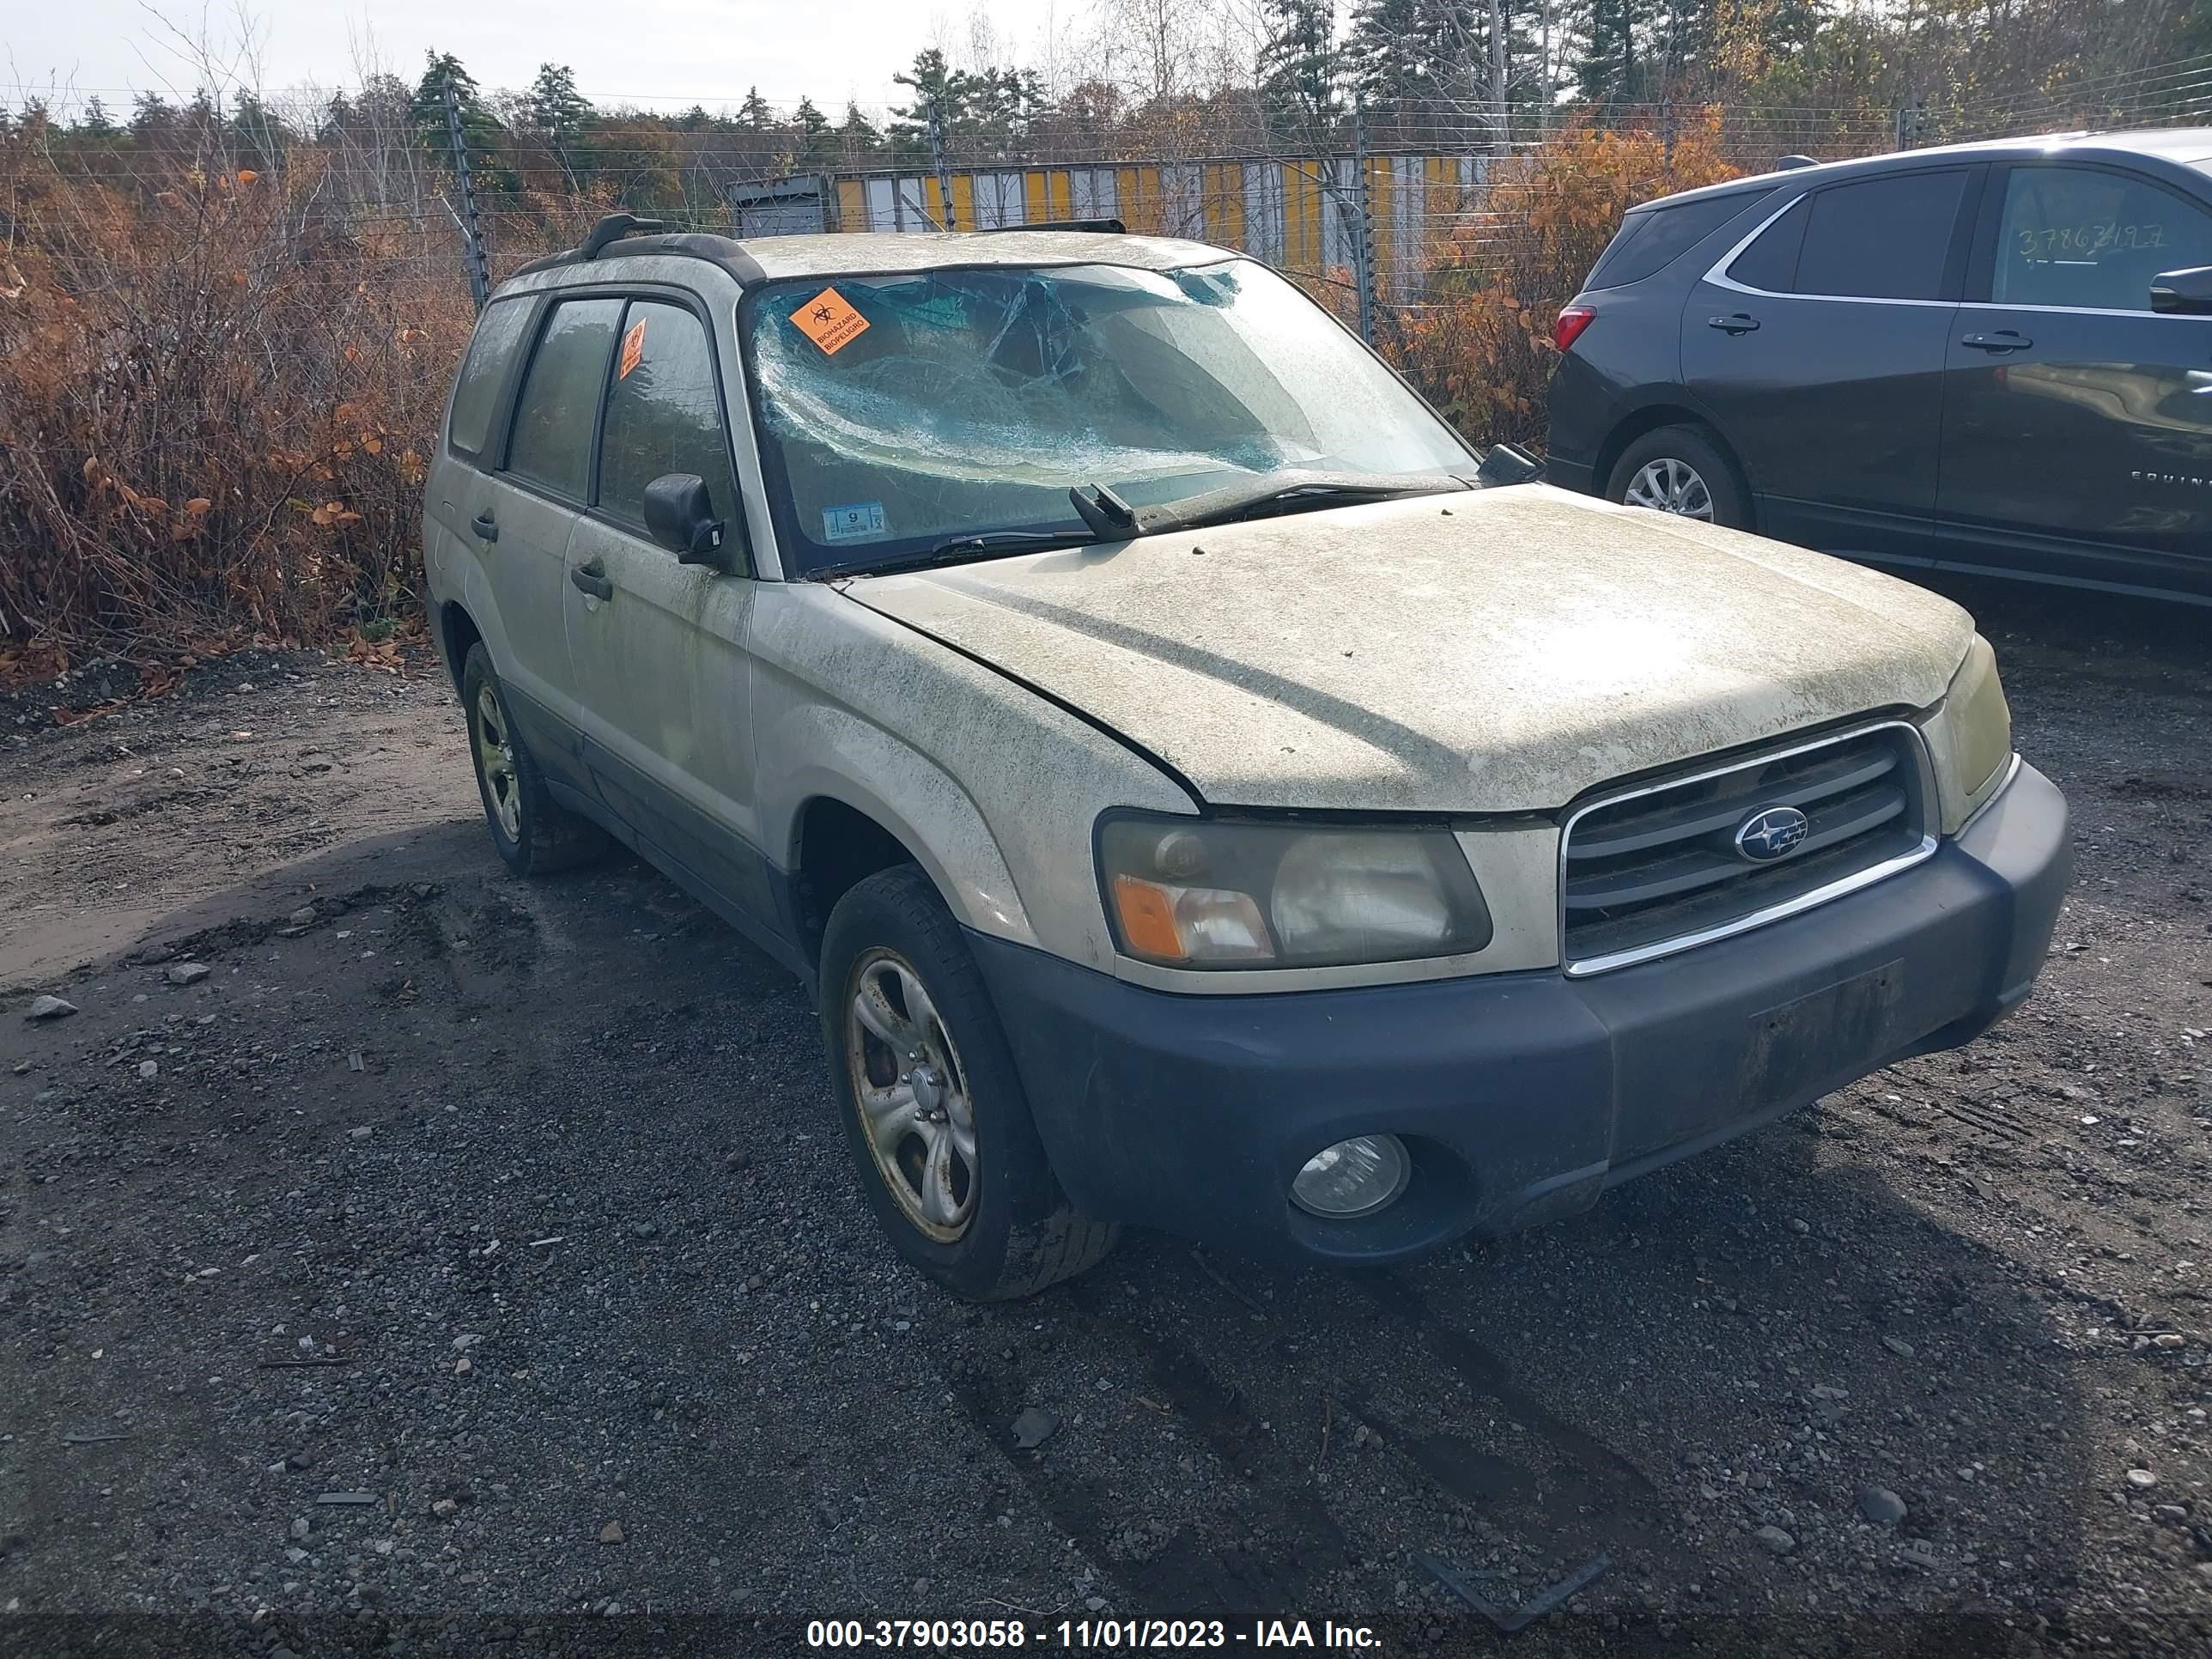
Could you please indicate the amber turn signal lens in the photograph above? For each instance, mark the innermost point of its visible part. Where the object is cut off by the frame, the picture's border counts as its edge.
(1148, 918)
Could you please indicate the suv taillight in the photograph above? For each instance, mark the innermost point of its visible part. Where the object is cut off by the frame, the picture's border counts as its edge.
(1571, 322)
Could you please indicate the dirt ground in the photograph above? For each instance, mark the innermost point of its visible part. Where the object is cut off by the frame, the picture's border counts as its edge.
(470, 1265)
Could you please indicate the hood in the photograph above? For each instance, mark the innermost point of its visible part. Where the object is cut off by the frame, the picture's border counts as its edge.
(1499, 651)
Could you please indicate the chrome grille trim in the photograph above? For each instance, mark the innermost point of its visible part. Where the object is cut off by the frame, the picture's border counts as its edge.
(1914, 744)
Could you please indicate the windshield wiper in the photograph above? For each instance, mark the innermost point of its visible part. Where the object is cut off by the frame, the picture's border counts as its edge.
(954, 550)
(1292, 489)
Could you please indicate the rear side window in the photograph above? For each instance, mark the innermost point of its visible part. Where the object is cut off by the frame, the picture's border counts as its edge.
(1651, 241)
(476, 394)
(1770, 262)
(1882, 238)
(558, 411)
(663, 412)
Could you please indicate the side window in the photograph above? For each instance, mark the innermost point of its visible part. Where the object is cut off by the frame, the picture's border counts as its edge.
(1770, 262)
(475, 392)
(1651, 241)
(2080, 236)
(663, 413)
(1882, 239)
(560, 402)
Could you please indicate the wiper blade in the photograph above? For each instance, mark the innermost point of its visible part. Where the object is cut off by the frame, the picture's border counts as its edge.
(1241, 501)
(993, 541)
(955, 549)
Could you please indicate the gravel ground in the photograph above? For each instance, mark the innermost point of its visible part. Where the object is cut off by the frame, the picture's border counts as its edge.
(465, 1265)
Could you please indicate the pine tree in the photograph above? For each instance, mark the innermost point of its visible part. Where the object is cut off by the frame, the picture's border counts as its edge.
(561, 115)
(148, 114)
(555, 108)
(938, 86)
(428, 111)
(2196, 30)
(1613, 67)
(1297, 62)
(480, 129)
(754, 115)
(996, 108)
(95, 122)
(817, 145)
(857, 134)
(1411, 56)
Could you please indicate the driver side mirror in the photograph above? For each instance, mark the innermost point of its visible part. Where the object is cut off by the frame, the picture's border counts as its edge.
(2183, 293)
(679, 514)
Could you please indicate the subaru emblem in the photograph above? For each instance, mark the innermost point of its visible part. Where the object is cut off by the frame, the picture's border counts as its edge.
(1771, 833)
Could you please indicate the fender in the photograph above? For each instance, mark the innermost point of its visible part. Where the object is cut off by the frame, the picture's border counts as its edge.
(866, 768)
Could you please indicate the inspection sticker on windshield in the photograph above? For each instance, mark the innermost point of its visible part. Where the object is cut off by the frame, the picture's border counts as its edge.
(830, 321)
(852, 524)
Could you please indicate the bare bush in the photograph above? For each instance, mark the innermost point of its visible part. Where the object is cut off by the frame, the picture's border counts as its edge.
(216, 401)
(1479, 342)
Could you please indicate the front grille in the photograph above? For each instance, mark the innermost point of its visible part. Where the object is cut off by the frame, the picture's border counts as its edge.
(1658, 869)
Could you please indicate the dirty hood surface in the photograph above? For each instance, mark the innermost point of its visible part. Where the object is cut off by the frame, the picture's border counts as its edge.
(1499, 651)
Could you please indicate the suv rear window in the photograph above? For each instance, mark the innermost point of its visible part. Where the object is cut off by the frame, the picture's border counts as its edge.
(1651, 240)
(476, 394)
(1882, 239)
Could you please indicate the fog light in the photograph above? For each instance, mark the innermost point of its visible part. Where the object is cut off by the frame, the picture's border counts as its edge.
(1354, 1177)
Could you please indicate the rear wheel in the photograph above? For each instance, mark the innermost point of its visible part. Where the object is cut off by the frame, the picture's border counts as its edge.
(532, 834)
(1679, 470)
(934, 1108)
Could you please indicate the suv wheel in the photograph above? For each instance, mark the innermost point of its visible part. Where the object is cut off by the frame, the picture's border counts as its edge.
(932, 1107)
(1679, 470)
(532, 834)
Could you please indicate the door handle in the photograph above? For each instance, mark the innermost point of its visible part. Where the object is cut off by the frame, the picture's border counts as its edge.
(486, 527)
(2005, 339)
(1737, 323)
(592, 577)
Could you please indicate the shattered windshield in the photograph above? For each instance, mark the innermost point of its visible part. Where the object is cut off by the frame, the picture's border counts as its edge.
(904, 409)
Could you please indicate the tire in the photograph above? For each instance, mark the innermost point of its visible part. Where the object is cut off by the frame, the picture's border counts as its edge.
(1684, 464)
(978, 1211)
(532, 834)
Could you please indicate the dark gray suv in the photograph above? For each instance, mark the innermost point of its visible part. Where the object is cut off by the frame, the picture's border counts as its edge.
(1990, 357)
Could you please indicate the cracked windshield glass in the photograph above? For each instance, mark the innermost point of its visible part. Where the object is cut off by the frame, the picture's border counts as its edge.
(905, 410)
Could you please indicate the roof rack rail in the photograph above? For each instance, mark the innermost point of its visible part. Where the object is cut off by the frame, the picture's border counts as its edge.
(617, 225)
(1097, 227)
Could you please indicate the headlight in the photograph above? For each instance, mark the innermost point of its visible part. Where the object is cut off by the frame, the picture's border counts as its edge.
(1980, 720)
(1203, 893)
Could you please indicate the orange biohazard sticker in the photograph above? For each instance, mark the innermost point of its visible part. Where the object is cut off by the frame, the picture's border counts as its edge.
(830, 321)
(632, 348)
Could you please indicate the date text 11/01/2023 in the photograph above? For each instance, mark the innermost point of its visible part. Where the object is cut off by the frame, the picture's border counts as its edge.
(1081, 1634)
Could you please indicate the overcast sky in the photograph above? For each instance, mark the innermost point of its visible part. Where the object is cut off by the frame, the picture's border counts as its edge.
(649, 52)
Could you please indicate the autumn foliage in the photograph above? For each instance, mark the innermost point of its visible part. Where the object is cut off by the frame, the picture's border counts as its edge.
(216, 407)
(1479, 341)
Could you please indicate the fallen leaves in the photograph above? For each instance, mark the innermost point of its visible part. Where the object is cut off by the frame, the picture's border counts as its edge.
(382, 655)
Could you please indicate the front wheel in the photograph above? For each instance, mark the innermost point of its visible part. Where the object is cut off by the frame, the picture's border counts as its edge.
(1678, 470)
(934, 1108)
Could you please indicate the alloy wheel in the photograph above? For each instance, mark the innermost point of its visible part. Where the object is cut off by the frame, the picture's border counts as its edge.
(495, 760)
(1668, 485)
(912, 1094)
